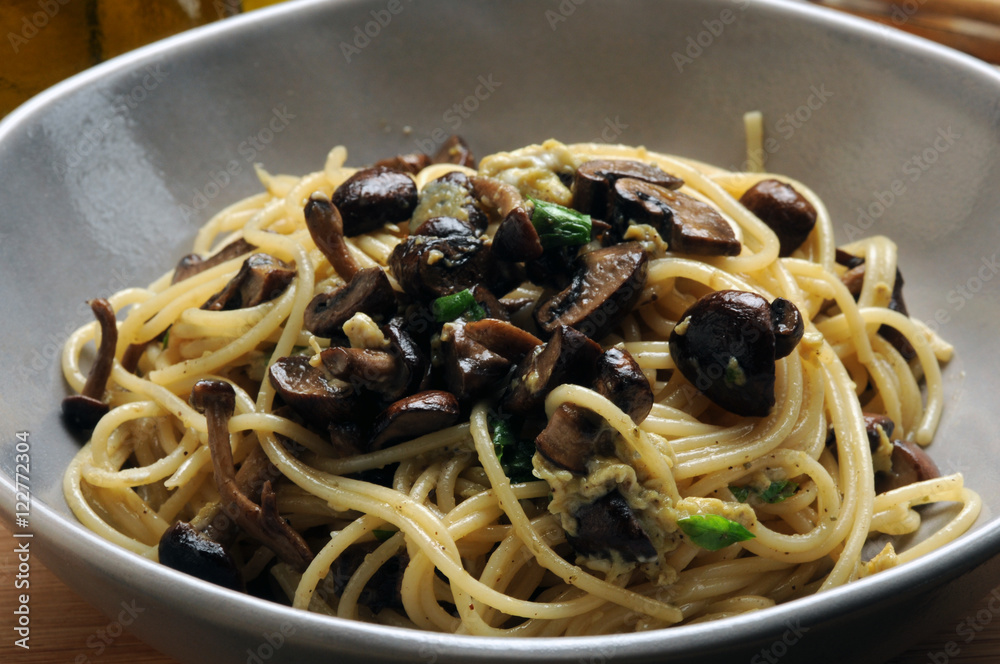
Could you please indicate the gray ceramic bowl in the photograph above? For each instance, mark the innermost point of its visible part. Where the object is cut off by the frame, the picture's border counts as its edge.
(104, 179)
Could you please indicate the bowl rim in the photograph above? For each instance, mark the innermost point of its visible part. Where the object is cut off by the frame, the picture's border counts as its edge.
(174, 588)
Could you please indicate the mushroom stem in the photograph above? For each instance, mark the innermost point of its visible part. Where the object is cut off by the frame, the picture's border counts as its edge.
(327, 230)
(84, 410)
(263, 523)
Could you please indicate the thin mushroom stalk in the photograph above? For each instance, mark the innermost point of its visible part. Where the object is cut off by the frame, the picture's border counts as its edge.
(262, 522)
(327, 230)
(84, 410)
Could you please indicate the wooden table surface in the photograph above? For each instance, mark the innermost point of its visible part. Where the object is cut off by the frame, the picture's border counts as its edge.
(65, 629)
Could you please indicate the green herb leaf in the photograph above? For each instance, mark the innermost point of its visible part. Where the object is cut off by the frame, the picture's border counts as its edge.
(741, 493)
(383, 535)
(462, 303)
(514, 455)
(778, 491)
(713, 532)
(166, 338)
(559, 226)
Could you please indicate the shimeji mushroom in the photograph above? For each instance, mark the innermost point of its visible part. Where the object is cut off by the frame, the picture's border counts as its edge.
(83, 411)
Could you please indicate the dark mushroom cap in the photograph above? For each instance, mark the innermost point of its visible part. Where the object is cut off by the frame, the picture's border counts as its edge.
(478, 355)
(605, 287)
(874, 421)
(326, 227)
(305, 389)
(414, 416)
(788, 326)
(620, 380)
(443, 227)
(431, 267)
(784, 210)
(609, 524)
(593, 181)
(192, 264)
(83, 411)
(516, 238)
(412, 163)
(261, 279)
(910, 463)
(373, 197)
(725, 345)
(455, 151)
(854, 278)
(572, 437)
(697, 228)
(186, 550)
(369, 292)
(368, 369)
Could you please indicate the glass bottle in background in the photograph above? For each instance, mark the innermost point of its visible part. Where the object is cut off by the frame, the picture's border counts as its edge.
(45, 41)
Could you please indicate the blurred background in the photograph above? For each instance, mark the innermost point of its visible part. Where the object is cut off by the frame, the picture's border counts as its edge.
(45, 41)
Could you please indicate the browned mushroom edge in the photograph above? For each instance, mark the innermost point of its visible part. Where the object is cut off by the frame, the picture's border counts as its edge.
(83, 411)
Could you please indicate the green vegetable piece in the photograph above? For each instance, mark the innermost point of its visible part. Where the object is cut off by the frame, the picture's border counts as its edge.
(559, 226)
(166, 338)
(514, 455)
(778, 491)
(741, 493)
(713, 532)
(383, 535)
(462, 303)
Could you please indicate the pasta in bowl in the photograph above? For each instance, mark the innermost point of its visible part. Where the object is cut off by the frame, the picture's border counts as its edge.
(573, 389)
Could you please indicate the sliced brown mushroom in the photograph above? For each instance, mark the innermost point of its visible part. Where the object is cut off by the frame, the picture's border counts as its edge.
(373, 197)
(188, 550)
(326, 227)
(414, 416)
(725, 344)
(594, 180)
(216, 399)
(910, 463)
(568, 357)
(368, 292)
(688, 225)
(430, 267)
(874, 422)
(261, 279)
(609, 525)
(605, 287)
(620, 380)
(516, 238)
(412, 163)
(455, 151)
(192, 264)
(443, 227)
(451, 195)
(572, 436)
(477, 356)
(305, 389)
(83, 411)
(784, 210)
(854, 280)
(554, 268)
(505, 339)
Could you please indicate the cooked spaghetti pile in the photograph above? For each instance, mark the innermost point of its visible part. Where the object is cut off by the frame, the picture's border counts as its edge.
(578, 389)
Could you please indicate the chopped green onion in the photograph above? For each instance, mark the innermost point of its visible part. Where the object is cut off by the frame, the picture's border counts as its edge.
(166, 338)
(383, 535)
(462, 303)
(775, 492)
(741, 493)
(514, 455)
(559, 226)
(713, 532)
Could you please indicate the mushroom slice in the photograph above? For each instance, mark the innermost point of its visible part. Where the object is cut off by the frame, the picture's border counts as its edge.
(572, 436)
(414, 416)
(373, 197)
(609, 525)
(216, 399)
(784, 210)
(261, 279)
(443, 227)
(368, 292)
(910, 463)
(688, 225)
(593, 182)
(873, 422)
(451, 195)
(326, 227)
(192, 264)
(605, 287)
(455, 151)
(478, 355)
(411, 163)
(621, 381)
(305, 389)
(788, 326)
(188, 550)
(431, 267)
(83, 411)
(854, 280)
(725, 344)
(568, 357)
(516, 238)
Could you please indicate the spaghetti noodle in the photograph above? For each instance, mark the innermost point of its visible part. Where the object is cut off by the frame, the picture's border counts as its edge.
(435, 520)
